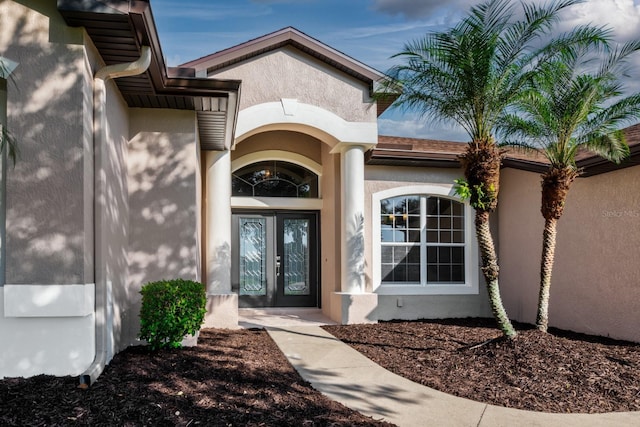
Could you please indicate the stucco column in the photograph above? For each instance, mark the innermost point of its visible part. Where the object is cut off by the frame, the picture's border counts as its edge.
(222, 303)
(353, 260)
(218, 226)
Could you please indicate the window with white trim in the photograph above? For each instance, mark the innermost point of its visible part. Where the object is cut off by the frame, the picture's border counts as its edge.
(422, 240)
(424, 243)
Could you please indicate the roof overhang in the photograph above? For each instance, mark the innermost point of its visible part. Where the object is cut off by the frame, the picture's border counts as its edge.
(399, 156)
(398, 151)
(118, 29)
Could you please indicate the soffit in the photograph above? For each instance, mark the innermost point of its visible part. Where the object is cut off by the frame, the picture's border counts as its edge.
(118, 29)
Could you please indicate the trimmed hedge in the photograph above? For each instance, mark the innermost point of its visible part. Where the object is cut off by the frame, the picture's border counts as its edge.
(170, 310)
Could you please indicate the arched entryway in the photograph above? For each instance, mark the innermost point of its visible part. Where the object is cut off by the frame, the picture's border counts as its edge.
(278, 149)
(274, 253)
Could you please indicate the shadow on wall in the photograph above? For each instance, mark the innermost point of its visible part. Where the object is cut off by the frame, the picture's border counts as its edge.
(162, 166)
(47, 236)
(356, 254)
(219, 267)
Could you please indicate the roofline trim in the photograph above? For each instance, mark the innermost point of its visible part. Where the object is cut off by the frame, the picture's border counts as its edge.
(287, 35)
(178, 81)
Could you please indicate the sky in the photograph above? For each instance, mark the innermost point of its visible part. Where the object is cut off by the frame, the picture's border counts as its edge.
(369, 31)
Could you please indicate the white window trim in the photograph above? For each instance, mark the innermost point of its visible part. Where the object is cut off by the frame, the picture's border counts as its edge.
(275, 203)
(471, 247)
(287, 156)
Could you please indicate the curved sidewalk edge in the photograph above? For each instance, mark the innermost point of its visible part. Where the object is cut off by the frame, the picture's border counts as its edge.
(345, 375)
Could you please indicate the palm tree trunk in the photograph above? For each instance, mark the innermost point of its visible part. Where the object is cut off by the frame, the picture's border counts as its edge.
(490, 271)
(546, 268)
(556, 183)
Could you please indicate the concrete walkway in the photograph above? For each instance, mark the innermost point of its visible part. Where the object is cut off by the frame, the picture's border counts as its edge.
(345, 375)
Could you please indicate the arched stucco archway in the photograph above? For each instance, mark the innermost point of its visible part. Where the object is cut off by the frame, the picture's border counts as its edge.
(349, 141)
(289, 114)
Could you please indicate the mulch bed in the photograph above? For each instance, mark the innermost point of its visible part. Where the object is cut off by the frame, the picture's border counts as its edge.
(556, 372)
(233, 378)
(240, 378)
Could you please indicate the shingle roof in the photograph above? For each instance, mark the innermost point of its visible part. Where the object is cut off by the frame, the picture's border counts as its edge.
(400, 151)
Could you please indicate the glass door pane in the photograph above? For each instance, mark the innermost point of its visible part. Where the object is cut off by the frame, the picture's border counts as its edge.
(296, 257)
(253, 256)
(275, 259)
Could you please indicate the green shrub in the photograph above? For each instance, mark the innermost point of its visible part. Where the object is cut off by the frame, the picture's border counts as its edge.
(170, 310)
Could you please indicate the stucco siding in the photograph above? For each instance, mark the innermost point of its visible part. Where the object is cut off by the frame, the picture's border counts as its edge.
(46, 229)
(47, 301)
(330, 220)
(162, 184)
(407, 307)
(42, 345)
(595, 278)
(116, 215)
(294, 142)
(290, 73)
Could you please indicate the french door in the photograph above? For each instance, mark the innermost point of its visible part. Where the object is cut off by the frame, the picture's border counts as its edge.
(275, 259)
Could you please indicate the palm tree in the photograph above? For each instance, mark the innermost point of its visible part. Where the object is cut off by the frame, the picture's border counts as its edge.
(574, 104)
(471, 74)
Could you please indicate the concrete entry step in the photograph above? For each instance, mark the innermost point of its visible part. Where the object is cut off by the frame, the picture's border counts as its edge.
(279, 317)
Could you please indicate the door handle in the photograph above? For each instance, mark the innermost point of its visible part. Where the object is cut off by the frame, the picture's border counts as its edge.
(277, 265)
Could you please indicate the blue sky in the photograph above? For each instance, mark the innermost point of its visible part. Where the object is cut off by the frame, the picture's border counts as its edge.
(370, 31)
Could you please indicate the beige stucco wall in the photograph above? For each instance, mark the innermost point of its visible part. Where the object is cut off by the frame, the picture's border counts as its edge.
(595, 285)
(116, 215)
(379, 178)
(47, 192)
(163, 203)
(46, 303)
(330, 231)
(290, 73)
(294, 142)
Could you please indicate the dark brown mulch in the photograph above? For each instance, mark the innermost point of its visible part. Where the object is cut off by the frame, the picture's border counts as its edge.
(556, 372)
(233, 378)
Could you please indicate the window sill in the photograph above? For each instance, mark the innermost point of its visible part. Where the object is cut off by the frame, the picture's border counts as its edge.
(412, 289)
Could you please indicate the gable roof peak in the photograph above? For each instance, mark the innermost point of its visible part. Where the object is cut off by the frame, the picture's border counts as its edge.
(287, 36)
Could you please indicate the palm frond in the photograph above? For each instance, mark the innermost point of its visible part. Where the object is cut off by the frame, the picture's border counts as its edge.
(611, 146)
(472, 73)
(520, 146)
(576, 105)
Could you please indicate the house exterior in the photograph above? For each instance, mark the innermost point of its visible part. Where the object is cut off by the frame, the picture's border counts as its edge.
(259, 171)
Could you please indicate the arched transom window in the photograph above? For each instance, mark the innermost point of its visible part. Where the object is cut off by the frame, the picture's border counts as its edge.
(274, 178)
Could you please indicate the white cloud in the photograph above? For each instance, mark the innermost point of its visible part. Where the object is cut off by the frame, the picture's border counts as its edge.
(412, 9)
(381, 30)
(622, 16)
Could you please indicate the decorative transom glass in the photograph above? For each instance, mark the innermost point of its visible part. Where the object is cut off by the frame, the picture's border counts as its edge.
(422, 240)
(274, 178)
